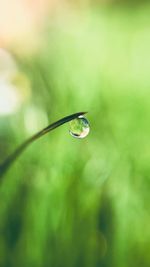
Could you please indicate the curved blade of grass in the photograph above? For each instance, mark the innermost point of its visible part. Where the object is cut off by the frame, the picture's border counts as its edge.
(12, 157)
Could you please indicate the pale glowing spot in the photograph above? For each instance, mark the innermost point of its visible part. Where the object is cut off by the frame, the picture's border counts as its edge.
(9, 98)
(14, 86)
(8, 66)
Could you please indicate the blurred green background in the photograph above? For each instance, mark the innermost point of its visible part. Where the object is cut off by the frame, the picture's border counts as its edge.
(68, 202)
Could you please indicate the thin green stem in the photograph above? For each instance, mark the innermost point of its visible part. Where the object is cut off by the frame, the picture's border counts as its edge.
(12, 157)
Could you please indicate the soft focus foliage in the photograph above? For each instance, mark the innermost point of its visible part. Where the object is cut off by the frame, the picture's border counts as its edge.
(69, 202)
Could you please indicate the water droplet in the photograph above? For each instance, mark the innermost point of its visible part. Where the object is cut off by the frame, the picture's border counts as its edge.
(79, 127)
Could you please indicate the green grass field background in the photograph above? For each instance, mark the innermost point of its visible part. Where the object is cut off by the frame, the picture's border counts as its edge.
(81, 203)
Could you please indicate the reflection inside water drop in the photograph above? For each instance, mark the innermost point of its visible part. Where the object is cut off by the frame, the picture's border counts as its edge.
(79, 127)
